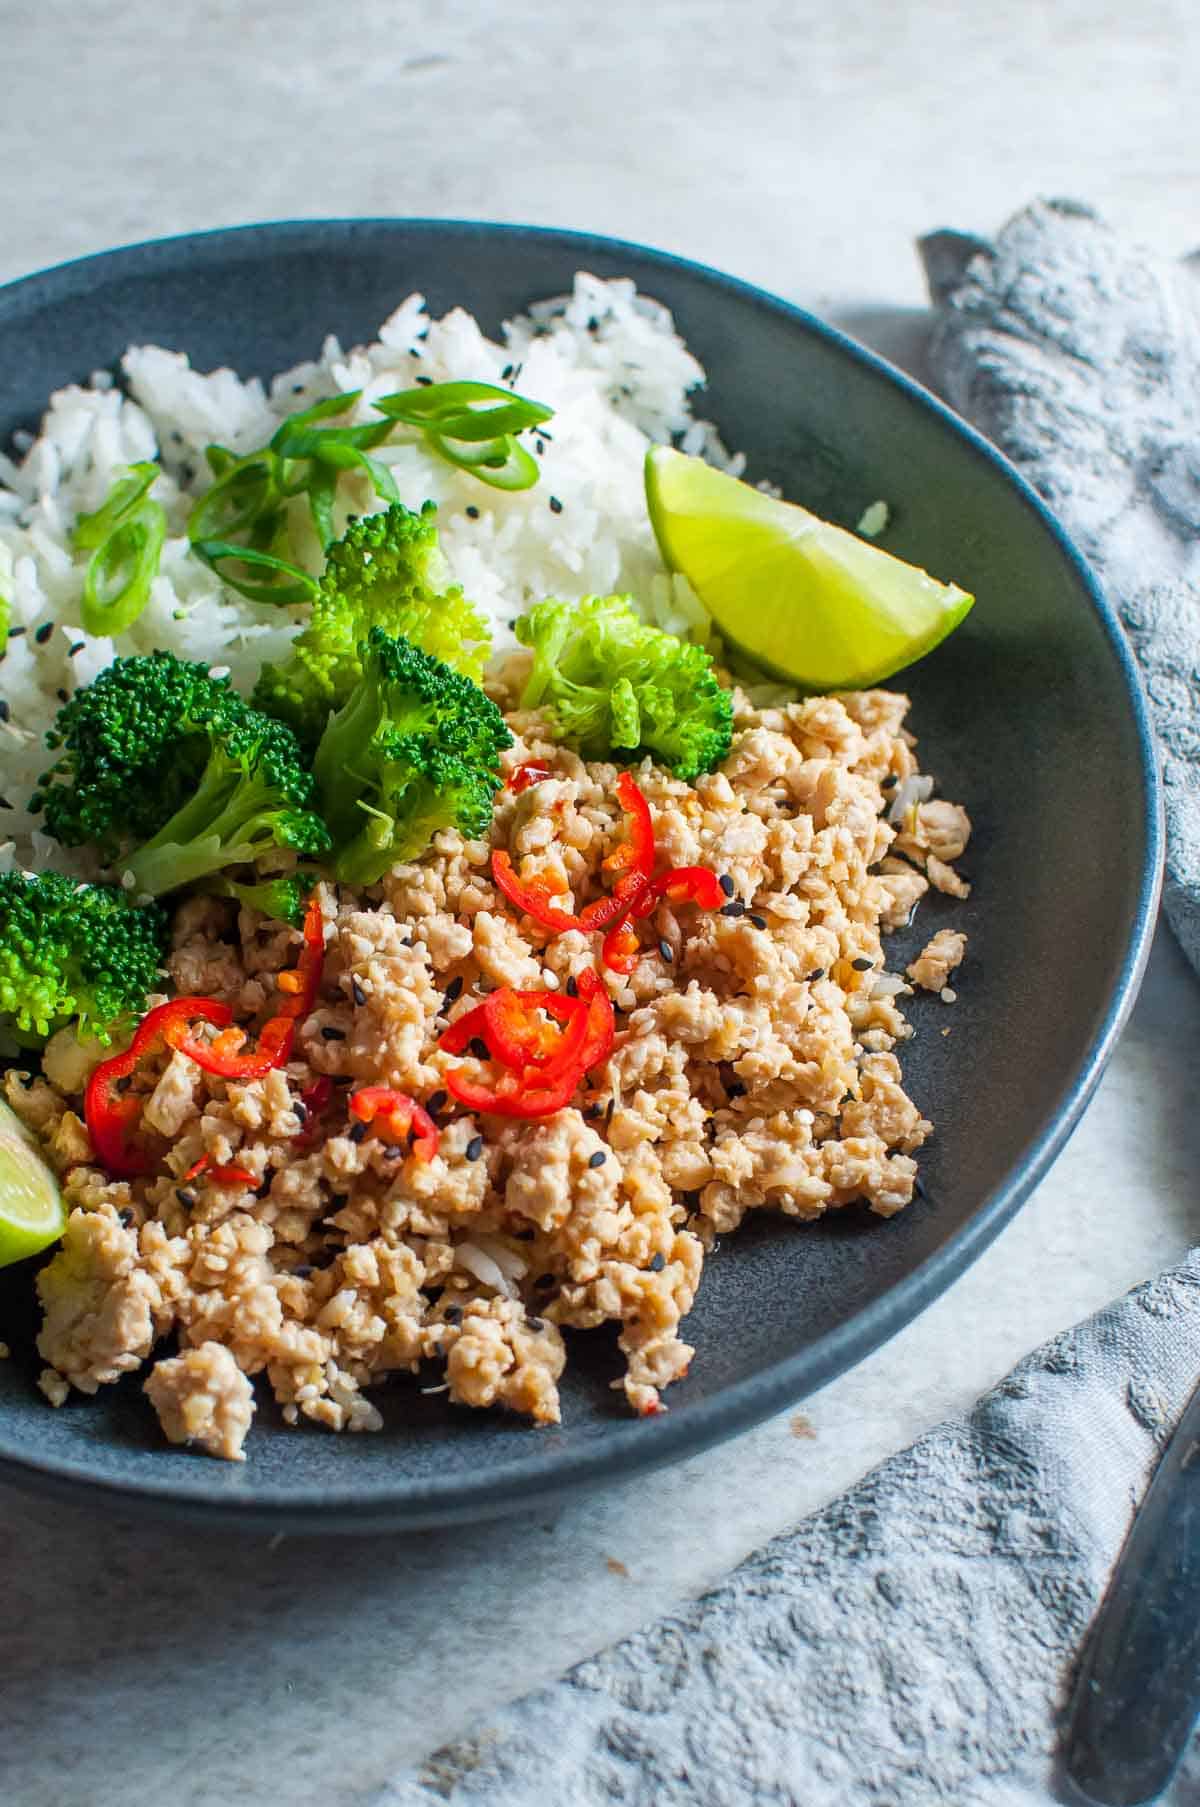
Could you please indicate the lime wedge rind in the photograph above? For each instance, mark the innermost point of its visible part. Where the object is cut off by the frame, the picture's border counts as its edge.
(807, 601)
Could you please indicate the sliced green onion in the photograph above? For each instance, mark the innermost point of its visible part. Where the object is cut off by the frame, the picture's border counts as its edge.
(438, 404)
(131, 484)
(322, 489)
(473, 426)
(122, 569)
(299, 587)
(517, 469)
(245, 491)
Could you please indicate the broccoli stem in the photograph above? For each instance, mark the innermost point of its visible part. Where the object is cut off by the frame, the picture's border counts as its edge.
(229, 822)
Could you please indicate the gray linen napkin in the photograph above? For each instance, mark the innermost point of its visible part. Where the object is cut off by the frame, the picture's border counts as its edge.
(1078, 354)
(915, 1641)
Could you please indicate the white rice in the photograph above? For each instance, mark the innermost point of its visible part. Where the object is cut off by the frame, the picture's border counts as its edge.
(606, 359)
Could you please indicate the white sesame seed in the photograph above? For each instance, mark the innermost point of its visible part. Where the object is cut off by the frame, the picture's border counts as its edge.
(128, 881)
(948, 995)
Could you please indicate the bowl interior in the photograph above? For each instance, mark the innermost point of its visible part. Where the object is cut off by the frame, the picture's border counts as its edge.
(1029, 714)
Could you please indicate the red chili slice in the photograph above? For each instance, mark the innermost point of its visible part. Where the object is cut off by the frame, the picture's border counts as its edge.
(112, 1118)
(462, 1031)
(601, 1029)
(228, 1175)
(399, 1115)
(527, 774)
(621, 950)
(515, 1095)
(689, 884)
(637, 853)
(316, 1100)
(302, 984)
(517, 1034)
(534, 896)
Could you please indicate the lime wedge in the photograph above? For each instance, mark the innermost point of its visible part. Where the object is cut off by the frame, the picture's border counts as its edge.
(31, 1207)
(806, 600)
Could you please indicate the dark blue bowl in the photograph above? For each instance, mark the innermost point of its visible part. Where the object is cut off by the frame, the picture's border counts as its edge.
(1031, 714)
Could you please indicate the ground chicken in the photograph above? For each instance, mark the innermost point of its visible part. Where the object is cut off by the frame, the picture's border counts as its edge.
(938, 959)
(203, 1397)
(753, 1068)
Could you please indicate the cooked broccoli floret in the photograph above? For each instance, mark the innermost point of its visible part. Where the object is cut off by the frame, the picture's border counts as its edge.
(283, 898)
(166, 770)
(414, 749)
(74, 950)
(387, 572)
(613, 684)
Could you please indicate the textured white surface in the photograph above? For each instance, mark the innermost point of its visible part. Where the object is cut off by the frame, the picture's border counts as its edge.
(802, 146)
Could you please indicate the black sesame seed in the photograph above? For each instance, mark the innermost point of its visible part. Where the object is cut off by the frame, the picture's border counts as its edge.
(862, 964)
(61, 694)
(889, 783)
(814, 976)
(302, 1272)
(474, 1148)
(536, 1323)
(471, 511)
(436, 1101)
(453, 1314)
(409, 941)
(572, 988)
(657, 1263)
(609, 1108)
(727, 885)
(301, 1111)
(539, 448)
(330, 1034)
(357, 992)
(736, 908)
(667, 951)
(44, 632)
(425, 381)
(542, 433)
(594, 1110)
(4, 803)
(185, 1197)
(760, 922)
(598, 1159)
(506, 373)
(555, 505)
(479, 1048)
(76, 648)
(593, 324)
(126, 1217)
(357, 1131)
(4, 710)
(452, 992)
(13, 632)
